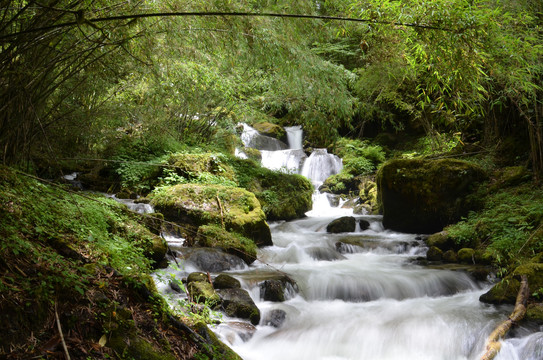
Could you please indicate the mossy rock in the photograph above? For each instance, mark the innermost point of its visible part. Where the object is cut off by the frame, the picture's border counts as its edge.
(434, 254)
(440, 240)
(224, 281)
(214, 236)
(238, 303)
(509, 176)
(534, 312)
(466, 256)
(198, 204)
(423, 196)
(282, 196)
(190, 165)
(201, 290)
(215, 349)
(271, 130)
(534, 272)
(450, 256)
(341, 225)
(504, 292)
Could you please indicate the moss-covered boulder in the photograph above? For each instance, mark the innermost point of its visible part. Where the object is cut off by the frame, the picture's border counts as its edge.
(341, 225)
(450, 256)
(434, 254)
(238, 303)
(201, 290)
(215, 236)
(282, 196)
(504, 292)
(191, 165)
(466, 256)
(224, 281)
(197, 204)
(272, 290)
(423, 196)
(440, 240)
(271, 130)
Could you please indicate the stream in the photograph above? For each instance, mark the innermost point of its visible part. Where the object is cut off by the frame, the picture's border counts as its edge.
(359, 295)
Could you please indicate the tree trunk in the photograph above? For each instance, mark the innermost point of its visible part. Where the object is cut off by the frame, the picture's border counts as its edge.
(493, 344)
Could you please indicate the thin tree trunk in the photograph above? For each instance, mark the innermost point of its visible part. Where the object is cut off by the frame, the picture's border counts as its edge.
(493, 344)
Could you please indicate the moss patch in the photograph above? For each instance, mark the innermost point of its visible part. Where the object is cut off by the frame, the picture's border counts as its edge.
(233, 243)
(198, 204)
(422, 196)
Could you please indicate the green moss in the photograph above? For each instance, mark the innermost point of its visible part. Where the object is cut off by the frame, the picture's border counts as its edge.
(466, 255)
(282, 196)
(216, 237)
(269, 129)
(198, 204)
(425, 195)
(503, 292)
(190, 165)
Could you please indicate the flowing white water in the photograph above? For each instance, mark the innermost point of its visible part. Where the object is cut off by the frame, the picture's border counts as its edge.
(370, 304)
(294, 136)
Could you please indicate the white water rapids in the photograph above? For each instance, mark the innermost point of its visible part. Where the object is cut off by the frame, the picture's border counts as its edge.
(364, 299)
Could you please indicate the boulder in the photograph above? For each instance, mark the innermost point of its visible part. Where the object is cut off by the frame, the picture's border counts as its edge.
(233, 243)
(201, 290)
(504, 292)
(364, 224)
(224, 281)
(450, 256)
(272, 290)
(233, 208)
(238, 303)
(341, 225)
(434, 254)
(275, 318)
(466, 256)
(440, 240)
(423, 196)
(271, 130)
(212, 260)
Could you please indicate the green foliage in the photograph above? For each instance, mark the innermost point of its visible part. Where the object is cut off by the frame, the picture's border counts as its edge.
(508, 226)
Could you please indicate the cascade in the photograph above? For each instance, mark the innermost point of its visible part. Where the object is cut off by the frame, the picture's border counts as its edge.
(320, 165)
(253, 139)
(358, 295)
(283, 160)
(294, 136)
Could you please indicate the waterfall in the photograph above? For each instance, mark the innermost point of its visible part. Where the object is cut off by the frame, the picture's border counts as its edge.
(253, 139)
(294, 136)
(320, 165)
(283, 160)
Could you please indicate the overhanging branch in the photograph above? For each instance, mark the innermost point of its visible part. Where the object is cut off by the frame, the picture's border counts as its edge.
(5, 38)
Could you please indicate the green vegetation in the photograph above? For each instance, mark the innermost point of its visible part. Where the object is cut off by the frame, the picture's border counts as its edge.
(509, 226)
(87, 260)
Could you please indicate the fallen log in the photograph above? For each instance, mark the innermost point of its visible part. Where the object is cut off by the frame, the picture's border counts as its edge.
(493, 344)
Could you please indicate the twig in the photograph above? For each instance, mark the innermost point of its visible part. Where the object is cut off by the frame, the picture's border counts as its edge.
(61, 335)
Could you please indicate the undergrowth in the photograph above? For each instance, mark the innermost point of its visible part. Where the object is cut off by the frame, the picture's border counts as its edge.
(509, 226)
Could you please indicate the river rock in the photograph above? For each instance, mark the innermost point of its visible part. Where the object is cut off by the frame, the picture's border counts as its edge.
(212, 260)
(441, 240)
(434, 254)
(341, 225)
(466, 256)
(272, 290)
(275, 318)
(450, 256)
(201, 290)
(423, 196)
(215, 236)
(364, 224)
(224, 281)
(272, 130)
(199, 204)
(238, 303)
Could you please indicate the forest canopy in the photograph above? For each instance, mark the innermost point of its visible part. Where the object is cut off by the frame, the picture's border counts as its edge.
(142, 86)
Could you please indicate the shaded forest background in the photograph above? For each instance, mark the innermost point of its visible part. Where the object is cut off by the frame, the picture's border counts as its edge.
(137, 88)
